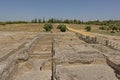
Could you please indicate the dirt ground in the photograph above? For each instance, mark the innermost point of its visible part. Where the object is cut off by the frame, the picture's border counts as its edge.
(114, 38)
(62, 55)
(11, 41)
(27, 28)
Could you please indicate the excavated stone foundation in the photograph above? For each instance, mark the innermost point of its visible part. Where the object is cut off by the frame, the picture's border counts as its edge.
(60, 56)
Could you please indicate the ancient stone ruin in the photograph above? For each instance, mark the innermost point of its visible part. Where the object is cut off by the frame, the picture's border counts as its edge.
(58, 56)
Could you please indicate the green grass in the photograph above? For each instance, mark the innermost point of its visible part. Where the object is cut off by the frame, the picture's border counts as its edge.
(105, 32)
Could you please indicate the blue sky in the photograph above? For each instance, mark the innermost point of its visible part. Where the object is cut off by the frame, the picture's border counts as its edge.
(62, 9)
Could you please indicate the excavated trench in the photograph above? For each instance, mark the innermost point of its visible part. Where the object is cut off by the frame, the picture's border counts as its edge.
(39, 65)
(64, 56)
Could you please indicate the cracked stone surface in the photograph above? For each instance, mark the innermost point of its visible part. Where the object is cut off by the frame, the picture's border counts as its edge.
(10, 41)
(61, 56)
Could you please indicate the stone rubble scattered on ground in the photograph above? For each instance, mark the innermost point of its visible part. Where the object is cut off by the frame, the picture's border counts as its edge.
(57, 56)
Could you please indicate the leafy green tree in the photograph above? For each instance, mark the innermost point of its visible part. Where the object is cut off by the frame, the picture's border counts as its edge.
(114, 28)
(43, 20)
(51, 20)
(79, 22)
(66, 21)
(34, 20)
(39, 21)
(75, 21)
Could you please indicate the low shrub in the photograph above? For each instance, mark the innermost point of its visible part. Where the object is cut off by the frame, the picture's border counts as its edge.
(48, 26)
(103, 28)
(88, 28)
(62, 28)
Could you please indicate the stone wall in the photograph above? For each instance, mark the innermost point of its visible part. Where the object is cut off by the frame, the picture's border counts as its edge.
(114, 65)
(63, 74)
(99, 40)
(9, 65)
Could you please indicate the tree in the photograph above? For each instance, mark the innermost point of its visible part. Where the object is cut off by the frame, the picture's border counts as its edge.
(39, 21)
(32, 21)
(48, 26)
(43, 20)
(114, 28)
(88, 28)
(66, 21)
(79, 22)
(75, 21)
(51, 20)
(35, 20)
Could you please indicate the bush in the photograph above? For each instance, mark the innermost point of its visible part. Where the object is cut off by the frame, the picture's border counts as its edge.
(88, 28)
(114, 28)
(62, 28)
(119, 28)
(103, 28)
(2, 23)
(48, 26)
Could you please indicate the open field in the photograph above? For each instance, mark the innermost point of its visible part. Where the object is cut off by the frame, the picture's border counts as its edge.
(82, 26)
(11, 41)
(26, 27)
(39, 28)
(60, 40)
(22, 27)
(105, 32)
(95, 29)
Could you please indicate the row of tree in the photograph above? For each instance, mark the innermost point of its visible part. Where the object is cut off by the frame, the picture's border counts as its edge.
(54, 20)
(113, 25)
(106, 23)
(69, 21)
(13, 22)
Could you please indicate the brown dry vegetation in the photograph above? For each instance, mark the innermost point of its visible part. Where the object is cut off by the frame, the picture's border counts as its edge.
(94, 29)
(22, 27)
(39, 28)
(82, 26)
(75, 58)
(27, 27)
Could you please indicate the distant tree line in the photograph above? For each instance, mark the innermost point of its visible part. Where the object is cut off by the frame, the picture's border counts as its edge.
(105, 25)
(107, 22)
(54, 20)
(13, 22)
(113, 25)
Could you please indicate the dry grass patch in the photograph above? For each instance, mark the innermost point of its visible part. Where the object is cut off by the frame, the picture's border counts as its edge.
(22, 27)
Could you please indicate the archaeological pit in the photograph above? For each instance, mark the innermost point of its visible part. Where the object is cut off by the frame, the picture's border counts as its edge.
(55, 56)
